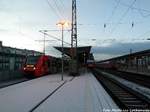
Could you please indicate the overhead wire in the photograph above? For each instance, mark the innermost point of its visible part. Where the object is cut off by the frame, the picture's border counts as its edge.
(57, 38)
(114, 10)
(139, 9)
(111, 16)
(63, 7)
(111, 23)
(122, 17)
(61, 4)
(142, 12)
(58, 8)
(54, 9)
(126, 5)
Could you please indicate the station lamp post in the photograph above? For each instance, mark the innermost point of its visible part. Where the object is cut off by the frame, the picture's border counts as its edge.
(62, 24)
(44, 32)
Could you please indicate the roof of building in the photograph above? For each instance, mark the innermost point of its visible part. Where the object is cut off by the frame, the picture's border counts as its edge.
(67, 50)
(83, 53)
(138, 54)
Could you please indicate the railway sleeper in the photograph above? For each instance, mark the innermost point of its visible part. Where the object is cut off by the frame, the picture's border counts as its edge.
(137, 106)
(132, 101)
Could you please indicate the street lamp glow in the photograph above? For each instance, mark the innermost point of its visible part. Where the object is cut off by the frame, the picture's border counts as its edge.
(65, 24)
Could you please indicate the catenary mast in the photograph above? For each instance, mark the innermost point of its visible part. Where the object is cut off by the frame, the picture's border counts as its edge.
(74, 57)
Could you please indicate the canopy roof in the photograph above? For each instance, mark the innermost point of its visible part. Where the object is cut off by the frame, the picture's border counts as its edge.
(80, 50)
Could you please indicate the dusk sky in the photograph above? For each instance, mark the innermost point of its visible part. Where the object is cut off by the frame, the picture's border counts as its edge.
(111, 27)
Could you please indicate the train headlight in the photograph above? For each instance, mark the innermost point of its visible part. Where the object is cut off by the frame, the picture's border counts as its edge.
(34, 68)
(24, 68)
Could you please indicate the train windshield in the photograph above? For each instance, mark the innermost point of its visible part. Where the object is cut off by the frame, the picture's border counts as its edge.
(90, 61)
(32, 60)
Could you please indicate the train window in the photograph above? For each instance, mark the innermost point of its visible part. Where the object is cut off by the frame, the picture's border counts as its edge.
(48, 63)
(32, 59)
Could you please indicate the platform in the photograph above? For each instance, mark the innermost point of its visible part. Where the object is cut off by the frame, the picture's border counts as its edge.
(135, 71)
(82, 94)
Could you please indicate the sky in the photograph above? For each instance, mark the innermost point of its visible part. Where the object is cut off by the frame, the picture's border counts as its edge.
(111, 27)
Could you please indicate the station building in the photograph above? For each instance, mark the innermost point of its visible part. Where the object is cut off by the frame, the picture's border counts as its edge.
(11, 61)
(83, 53)
(137, 62)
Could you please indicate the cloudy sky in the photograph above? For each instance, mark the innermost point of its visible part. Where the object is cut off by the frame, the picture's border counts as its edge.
(112, 27)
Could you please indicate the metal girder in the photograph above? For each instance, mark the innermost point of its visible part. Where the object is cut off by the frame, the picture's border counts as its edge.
(74, 62)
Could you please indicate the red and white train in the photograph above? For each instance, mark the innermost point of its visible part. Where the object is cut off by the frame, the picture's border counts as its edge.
(36, 66)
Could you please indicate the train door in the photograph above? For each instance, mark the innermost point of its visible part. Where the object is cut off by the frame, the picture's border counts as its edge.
(46, 65)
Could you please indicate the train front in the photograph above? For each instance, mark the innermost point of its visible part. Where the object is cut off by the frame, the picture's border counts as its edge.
(30, 65)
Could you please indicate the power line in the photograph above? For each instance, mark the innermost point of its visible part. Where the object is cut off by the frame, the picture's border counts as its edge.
(135, 8)
(63, 9)
(56, 38)
(141, 13)
(58, 8)
(53, 9)
(140, 10)
(112, 14)
(122, 17)
(112, 23)
(113, 11)
(61, 4)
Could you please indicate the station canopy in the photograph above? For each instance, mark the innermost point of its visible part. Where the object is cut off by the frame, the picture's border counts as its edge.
(82, 52)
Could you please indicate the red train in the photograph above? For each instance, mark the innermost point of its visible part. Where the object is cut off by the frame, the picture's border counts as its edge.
(90, 63)
(36, 66)
(107, 65)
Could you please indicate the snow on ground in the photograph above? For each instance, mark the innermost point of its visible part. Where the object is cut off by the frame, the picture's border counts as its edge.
(82, 94)
(24, 96)
(11, 82)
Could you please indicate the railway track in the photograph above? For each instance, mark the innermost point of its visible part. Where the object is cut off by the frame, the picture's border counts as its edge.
(140, 79)
(121, 95)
